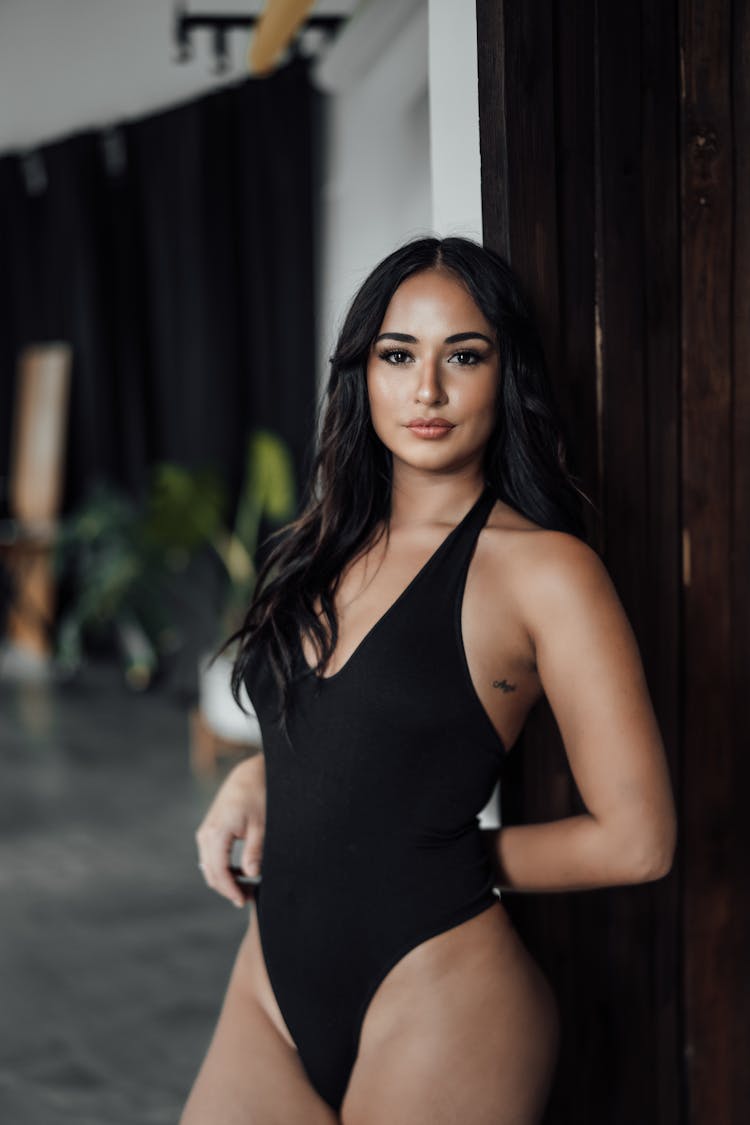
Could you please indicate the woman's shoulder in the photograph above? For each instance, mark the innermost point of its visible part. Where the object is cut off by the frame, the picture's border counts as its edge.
(535, 560)
(539, 585)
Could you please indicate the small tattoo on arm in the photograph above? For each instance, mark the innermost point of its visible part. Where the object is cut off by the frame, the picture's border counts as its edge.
(504, 685)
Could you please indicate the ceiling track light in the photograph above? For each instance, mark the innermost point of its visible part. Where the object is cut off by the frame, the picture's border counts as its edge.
(185, 23)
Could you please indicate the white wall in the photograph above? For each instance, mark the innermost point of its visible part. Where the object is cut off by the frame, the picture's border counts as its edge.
(454, 119)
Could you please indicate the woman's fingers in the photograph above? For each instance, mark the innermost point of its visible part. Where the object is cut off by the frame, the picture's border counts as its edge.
(237, 812)
(214, 842)
(252, 852)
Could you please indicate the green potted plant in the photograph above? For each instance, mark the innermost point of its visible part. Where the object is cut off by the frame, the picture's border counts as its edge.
(119, 580)
(126, 558)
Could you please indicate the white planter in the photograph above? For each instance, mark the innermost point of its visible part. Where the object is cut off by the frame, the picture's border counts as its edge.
(489, 817)
(217, 706)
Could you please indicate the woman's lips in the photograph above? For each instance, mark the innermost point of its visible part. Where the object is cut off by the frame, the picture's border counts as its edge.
(431, 432)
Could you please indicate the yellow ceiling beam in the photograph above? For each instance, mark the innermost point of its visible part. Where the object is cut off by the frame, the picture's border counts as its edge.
(274, 31)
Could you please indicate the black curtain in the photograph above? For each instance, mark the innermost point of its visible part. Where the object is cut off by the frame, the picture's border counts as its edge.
(177, 255)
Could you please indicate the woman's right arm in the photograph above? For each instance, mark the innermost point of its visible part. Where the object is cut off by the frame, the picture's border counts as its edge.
(237, 811)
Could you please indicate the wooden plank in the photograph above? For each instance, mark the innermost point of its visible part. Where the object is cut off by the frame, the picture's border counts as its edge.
(627, 1094)
(740, 564)
(493, 151)
(532, 174)
(580, 972)
(661, 631)
(711, 962)
(575, 210)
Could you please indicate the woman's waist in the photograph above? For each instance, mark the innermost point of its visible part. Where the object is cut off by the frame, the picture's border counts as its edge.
(449, 866)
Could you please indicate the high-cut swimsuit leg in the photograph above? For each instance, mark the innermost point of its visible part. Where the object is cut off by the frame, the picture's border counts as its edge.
(372, 840)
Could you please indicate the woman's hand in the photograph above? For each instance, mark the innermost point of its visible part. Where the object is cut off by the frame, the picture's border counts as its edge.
(237, 811)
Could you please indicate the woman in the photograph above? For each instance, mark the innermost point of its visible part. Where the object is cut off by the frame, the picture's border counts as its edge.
(435, 586)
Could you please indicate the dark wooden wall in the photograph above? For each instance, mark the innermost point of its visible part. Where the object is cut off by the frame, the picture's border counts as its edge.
(615, 144)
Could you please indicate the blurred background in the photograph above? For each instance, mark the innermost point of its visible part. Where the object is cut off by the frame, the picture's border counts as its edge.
(189, 196)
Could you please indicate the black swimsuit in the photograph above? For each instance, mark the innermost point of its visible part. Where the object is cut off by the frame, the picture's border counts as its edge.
(372, 840)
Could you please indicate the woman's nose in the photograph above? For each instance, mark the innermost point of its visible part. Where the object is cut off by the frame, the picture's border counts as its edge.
(430, 388)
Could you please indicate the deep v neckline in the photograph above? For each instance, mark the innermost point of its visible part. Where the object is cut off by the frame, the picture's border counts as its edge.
(426, 565)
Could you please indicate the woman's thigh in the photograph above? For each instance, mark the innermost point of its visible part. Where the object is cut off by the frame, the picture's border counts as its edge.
(463, 1031)
(252, 1074)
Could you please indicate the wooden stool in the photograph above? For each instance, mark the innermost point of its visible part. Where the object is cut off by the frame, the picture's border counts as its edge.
(40, 414)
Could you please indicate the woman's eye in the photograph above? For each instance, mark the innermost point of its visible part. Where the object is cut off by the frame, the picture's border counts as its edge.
(474, 357)
(386, 355)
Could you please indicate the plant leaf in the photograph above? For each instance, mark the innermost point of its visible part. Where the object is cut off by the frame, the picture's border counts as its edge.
(269, 488)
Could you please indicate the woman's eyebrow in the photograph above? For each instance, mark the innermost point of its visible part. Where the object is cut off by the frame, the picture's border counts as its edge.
(405, 338)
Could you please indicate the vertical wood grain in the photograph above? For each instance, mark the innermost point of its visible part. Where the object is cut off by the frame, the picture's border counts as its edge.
(661, 631)
(710, 810)
(587, 127)
(627, 914)
(740, 562)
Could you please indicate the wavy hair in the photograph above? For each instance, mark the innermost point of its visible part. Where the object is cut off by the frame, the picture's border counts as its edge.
(349, 492)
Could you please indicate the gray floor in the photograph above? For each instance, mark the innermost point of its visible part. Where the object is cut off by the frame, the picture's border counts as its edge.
(113, 955)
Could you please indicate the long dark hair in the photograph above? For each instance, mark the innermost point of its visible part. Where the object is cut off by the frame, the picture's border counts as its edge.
(349, 492)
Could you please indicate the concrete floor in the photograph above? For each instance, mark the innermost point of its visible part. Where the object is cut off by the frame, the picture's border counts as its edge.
(114, 956)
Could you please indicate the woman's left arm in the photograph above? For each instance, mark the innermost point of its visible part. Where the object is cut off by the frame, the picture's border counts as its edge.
(590, 668)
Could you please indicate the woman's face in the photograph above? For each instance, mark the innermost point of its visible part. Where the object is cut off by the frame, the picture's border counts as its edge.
(418, 368)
